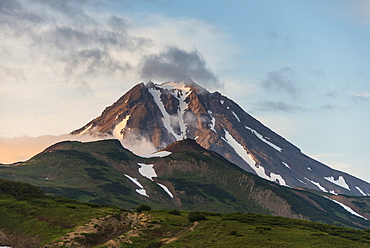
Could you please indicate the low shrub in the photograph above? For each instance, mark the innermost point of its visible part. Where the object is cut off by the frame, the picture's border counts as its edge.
(143, 207)
(174, 212)
(195, 216)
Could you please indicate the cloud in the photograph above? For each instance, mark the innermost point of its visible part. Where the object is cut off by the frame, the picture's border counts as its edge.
(61, 37)
(282, 80)
(362, 95)
(67, 49)
(278, 107)
(177, 64)
(77, 42)
(138, 144)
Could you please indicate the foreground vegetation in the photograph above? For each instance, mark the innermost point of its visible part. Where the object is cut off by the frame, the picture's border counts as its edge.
(29, 218)
(199, 180)
(245, 230)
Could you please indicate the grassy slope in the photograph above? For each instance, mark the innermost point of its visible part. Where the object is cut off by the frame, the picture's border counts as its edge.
(36, 219)
(86, 172)
(246, 230)
(213, 179)
(93, 172)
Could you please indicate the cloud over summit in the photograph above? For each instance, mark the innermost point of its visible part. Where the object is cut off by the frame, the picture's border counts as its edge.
(177, 64)
(70, 39)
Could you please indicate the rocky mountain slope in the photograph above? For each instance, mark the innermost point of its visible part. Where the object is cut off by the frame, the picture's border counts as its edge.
(185, 176)
(169, 112)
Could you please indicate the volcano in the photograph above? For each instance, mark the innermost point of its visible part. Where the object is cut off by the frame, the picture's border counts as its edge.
(162, 114)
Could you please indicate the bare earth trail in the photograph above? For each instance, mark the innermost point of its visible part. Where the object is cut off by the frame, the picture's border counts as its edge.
(182, 233)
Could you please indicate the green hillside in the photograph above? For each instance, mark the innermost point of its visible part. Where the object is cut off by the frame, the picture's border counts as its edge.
(199, 180)
(29, 218)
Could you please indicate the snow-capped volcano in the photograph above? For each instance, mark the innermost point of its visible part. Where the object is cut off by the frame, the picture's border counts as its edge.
(169, 112)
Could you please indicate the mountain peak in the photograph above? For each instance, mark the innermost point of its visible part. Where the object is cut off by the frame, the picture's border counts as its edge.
(184, 145)
(184, 86)
(161, 114)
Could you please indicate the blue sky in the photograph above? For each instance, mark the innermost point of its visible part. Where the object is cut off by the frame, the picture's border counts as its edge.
(300, 67)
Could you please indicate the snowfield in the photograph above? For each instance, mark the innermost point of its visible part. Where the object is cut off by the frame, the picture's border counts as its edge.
(213, 122)
(180, 92)
(119, 127)
(347, 208)
(236, 116)
(260, 171)
(166, 189)
(85, 131)
(340, 181)
(159, 154)
(317, 185)
(286, 165)
(147, 170)
(263, 139)
(140, 191)
(361, 191)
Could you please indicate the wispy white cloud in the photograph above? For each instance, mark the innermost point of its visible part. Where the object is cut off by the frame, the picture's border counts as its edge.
(363, 95)
(82, 44)
(73, 49)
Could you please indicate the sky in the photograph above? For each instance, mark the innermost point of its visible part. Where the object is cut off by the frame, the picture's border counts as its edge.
(300, 67)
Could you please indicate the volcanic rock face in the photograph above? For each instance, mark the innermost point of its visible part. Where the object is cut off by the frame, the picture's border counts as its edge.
(169, 112)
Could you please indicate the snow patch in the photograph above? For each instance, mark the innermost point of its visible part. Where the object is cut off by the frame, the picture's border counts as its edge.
(174, 86)
(147, 170)
(237, 117)
(286, 165)
(180, 92)
(317, 185)
(340, 181)
(166, 189)
(301, 181)
(263, 139)
(222, 102)
(159, 154)
(166, 117)
(360, 190)
(350, 210)
(85, 131)
(213, 122)
(260, 171)
(117, 132)
(140, 191)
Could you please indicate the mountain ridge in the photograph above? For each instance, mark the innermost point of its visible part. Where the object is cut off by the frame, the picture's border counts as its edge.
(104, 172)
(161, 114)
